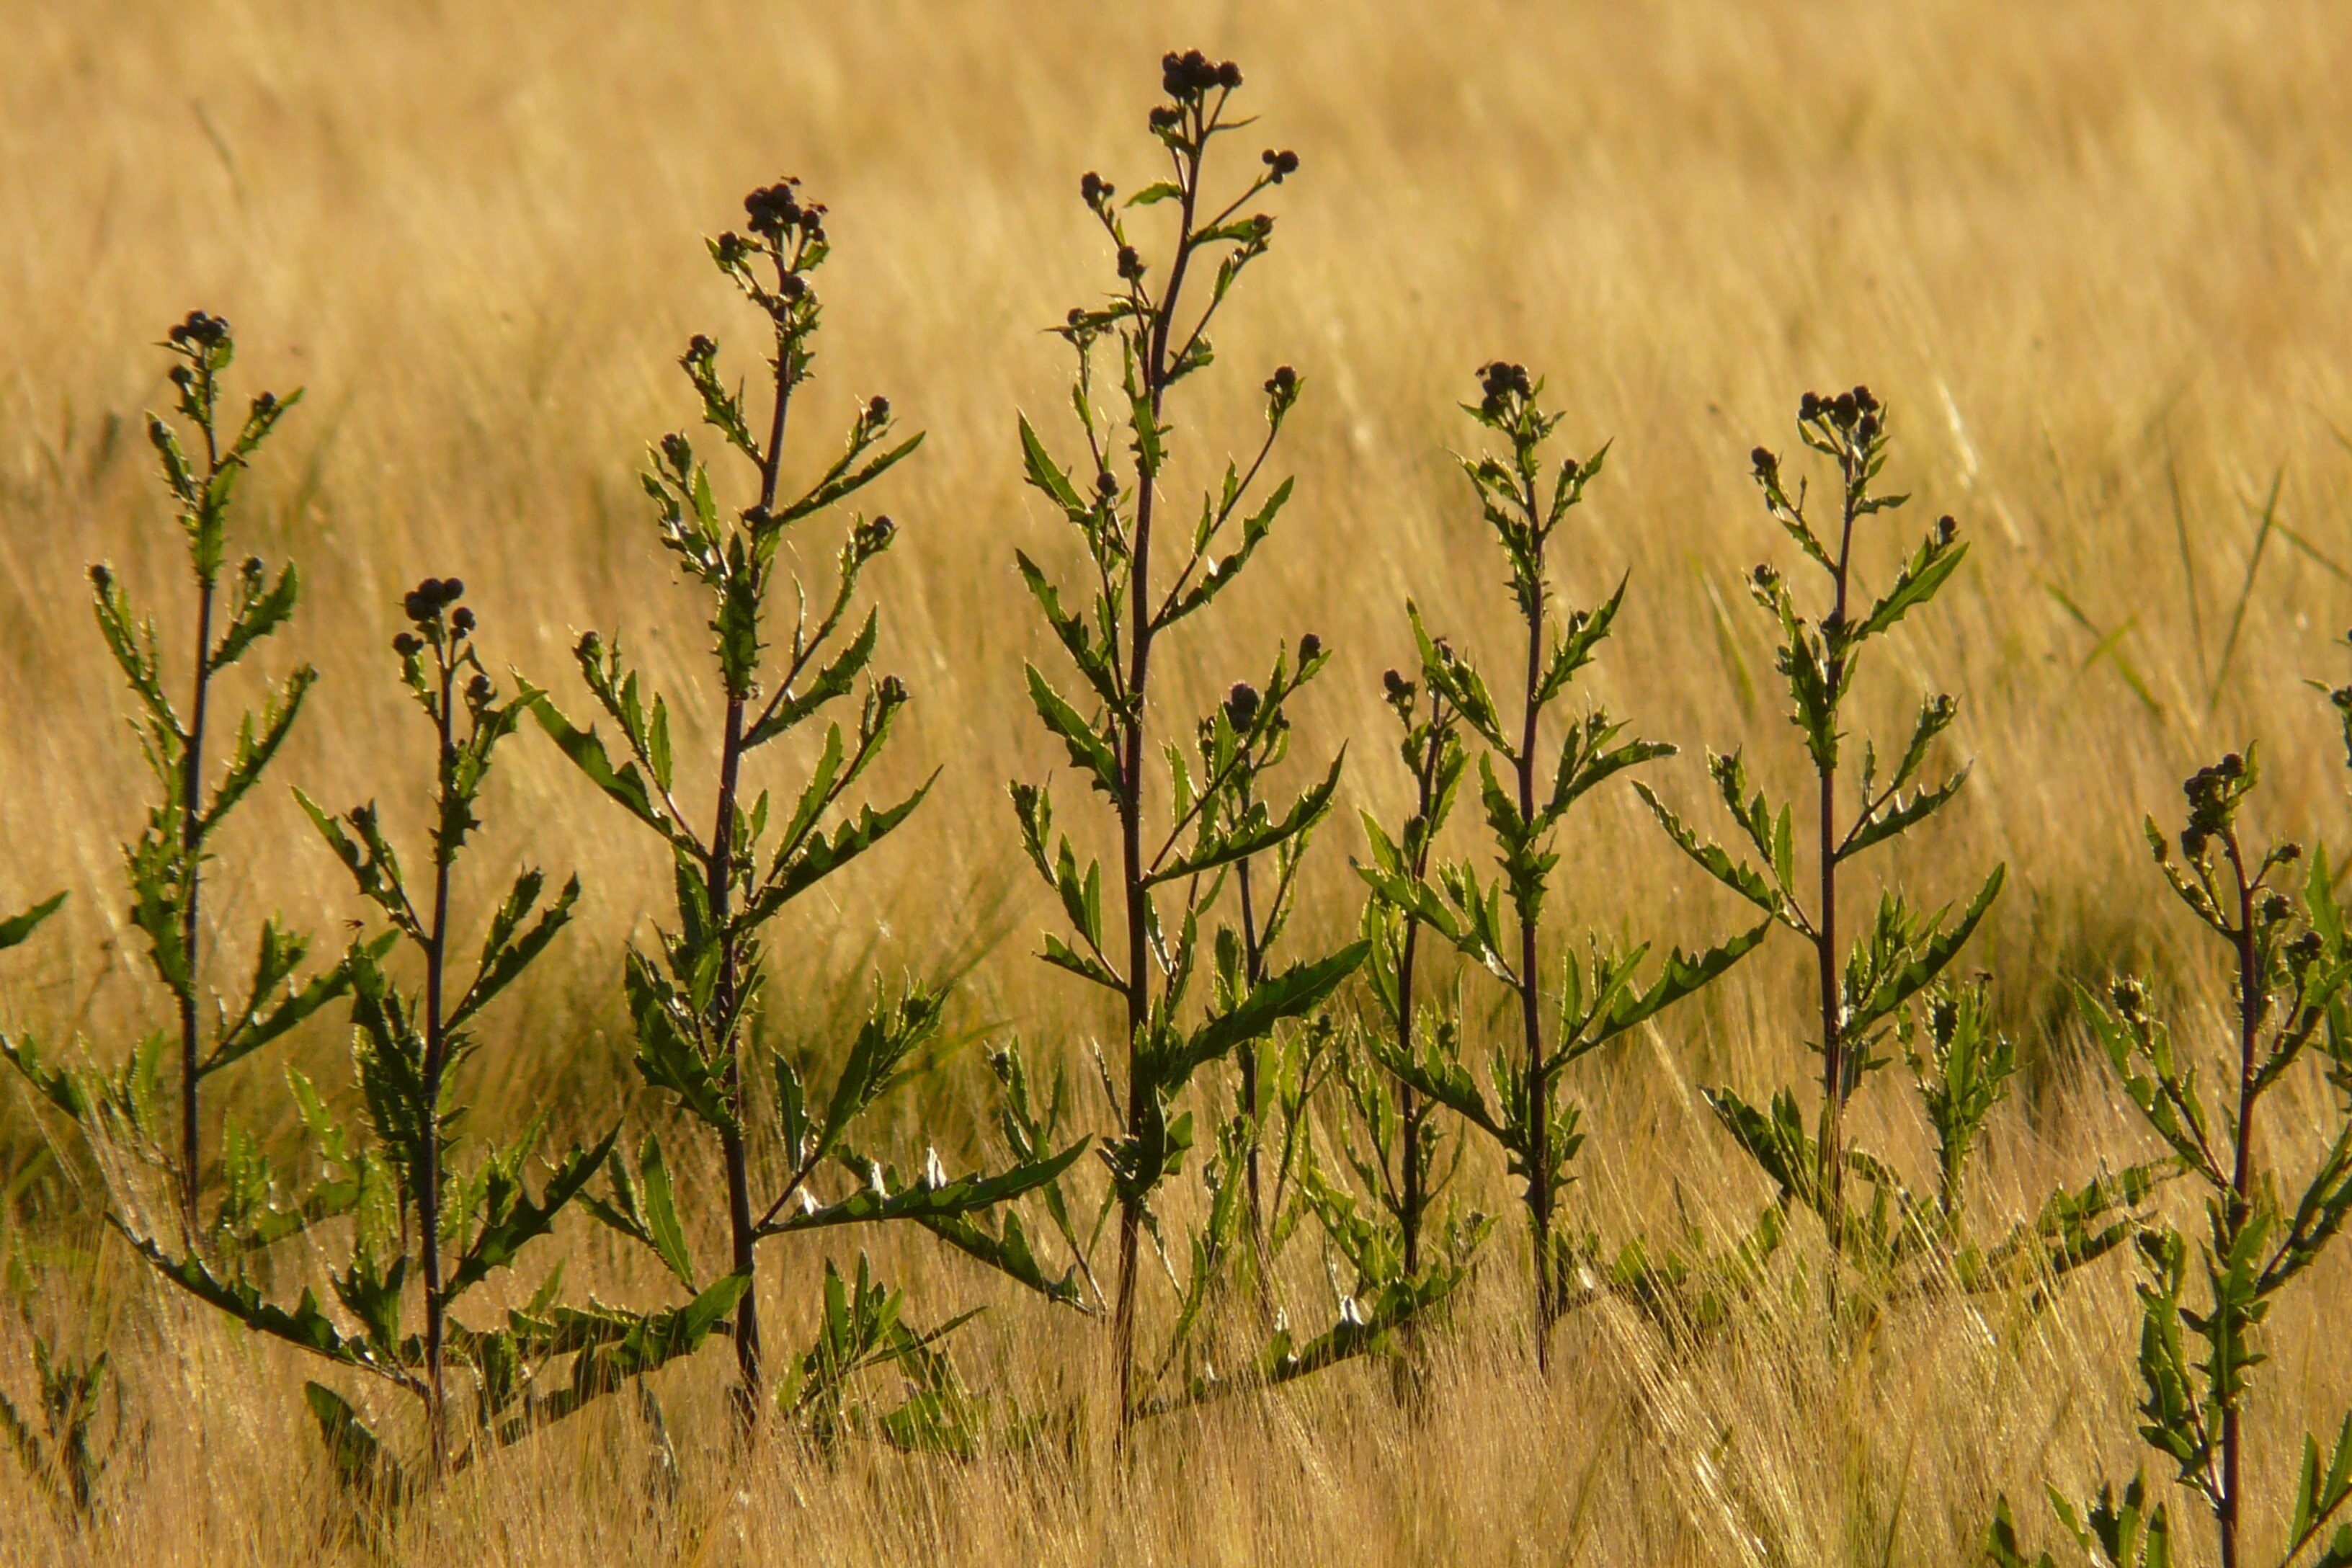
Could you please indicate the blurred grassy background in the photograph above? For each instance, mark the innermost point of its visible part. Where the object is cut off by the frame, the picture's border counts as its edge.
(2091, 253)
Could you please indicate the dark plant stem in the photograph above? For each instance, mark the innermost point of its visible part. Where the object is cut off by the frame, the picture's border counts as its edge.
(2252, 1001)
(1530, 998)
(718, 888)
(192, 802)
(741, 1232)
(1410, 1111)
(1132, 752)
(1825, 950)
(1253, 972)
(428, 1173)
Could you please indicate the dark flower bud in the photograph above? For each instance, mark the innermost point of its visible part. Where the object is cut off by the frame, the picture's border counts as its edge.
(1863, 401)
(677, 451)
(1229, 76)
(452, 590)
(407, 644)
(1764, 461)
(792, 286)
(1241, 705)
(2275, 908)
(1491, 406)
(870, 539)
(1764, 576)
(478, 691)
(462, 623)
(2231, 765)
(1947, 530)
(2288, 853)
(2192, 842)
(1107, 484)
(265, 403)
(2305, 949)
(1283, 380)
(591, 646)
(1310, 648)
(1090, 187)
(2130, 998)
(1845, 409)
(1130, 263)
(1077, 317)
(101, 577)
(183, 377)
(1808, 407)
(700, 349)
(1867, 427)
(1164, 119)
(891, 691)
(1398, 688)
(418, 606)
(877, 410)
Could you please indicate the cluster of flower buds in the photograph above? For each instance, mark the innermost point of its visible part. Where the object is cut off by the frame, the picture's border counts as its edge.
(1281, 164)
(199, 331)
(1856, 411)
(425, 605)
(1500, 382)
(1399, 691)
(773, 211)
(1096, 190)
(1310, 648)
(1130, 264)
(877, 410)
(2213, 794)
(1191, 75)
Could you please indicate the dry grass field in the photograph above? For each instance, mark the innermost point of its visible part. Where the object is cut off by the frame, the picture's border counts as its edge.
(2092, 253)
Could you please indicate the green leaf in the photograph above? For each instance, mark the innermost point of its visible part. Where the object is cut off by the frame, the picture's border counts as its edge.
(504, 954)
(1941, 946)
(625, 785)
(1929, 566)
(1682, 976)
(258, 613)
(662, 1228)
(1295, 991)
(17, 928)
(513, 1220)
(1049, 477)
(874, 1203)
(1088, 749)
(1712, 859)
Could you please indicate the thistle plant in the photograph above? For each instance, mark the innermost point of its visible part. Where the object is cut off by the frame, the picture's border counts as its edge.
(1862, 989)
(165, 866)
(735, 870)
(1170, 882)
(1524, 507)
(1386, 1132)
(418, 1214)
(2202, 1324)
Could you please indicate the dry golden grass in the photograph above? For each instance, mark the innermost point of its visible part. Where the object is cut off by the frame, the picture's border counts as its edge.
(2092, 253)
